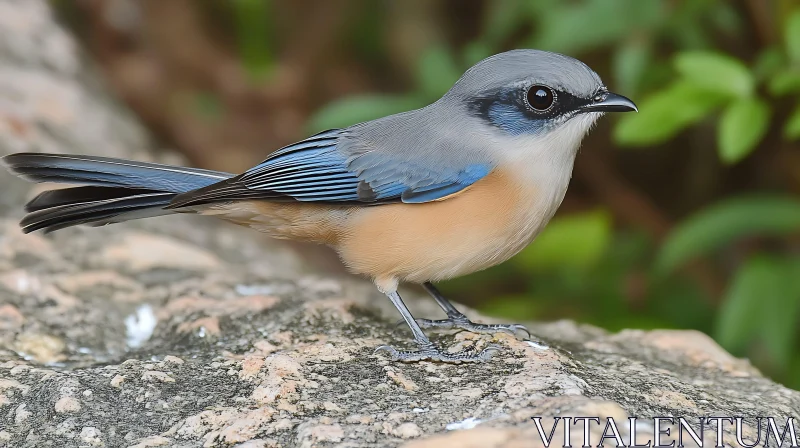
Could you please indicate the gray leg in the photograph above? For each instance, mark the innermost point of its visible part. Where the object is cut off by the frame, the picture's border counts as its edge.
(428, 351)
(456, 319)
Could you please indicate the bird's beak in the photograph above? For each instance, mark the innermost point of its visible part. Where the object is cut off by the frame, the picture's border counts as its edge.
(610, 102)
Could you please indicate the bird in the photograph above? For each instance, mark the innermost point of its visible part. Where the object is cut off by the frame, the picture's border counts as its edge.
(421, 196)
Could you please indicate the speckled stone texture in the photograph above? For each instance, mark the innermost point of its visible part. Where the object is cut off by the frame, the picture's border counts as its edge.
(185, 332)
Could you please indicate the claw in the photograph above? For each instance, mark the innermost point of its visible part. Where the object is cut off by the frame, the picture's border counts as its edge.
(520, 327)
(467, 325)
(387, 348)
(442, 323)
(431, 353)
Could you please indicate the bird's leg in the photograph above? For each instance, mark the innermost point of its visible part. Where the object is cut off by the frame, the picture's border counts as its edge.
(428, 351)
(457, 319)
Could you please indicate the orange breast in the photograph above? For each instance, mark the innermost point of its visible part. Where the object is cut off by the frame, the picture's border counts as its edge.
(469, 231)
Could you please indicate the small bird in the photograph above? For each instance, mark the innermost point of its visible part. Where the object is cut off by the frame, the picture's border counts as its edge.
(426, 195)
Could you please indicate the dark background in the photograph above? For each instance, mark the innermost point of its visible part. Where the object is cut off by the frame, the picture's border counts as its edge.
(682, 216)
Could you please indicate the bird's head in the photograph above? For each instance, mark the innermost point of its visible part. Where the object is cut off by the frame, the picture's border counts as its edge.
(525, 93)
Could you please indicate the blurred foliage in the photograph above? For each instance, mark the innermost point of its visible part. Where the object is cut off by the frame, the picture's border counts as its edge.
(253, 33)
(698, 227)
(721, 225)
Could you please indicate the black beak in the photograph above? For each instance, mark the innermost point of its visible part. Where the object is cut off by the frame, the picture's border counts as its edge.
(610, 102)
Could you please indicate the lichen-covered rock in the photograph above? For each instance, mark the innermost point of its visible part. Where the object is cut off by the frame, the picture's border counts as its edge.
(184, 332)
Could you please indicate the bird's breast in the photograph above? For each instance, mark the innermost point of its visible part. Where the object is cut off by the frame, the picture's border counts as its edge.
(474, 229)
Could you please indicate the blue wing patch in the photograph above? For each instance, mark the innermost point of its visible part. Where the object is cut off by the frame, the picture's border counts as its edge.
(315, 170)
(310, 170)
(464, 179)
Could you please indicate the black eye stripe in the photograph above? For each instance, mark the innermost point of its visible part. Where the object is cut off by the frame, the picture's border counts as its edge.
(564, 104)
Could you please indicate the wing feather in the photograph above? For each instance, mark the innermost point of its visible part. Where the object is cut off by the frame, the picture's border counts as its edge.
(315, 170)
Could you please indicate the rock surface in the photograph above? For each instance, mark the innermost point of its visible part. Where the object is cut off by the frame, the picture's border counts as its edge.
(184, 332)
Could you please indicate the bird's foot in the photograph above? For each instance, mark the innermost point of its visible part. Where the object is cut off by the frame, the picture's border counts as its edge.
(465, 324)
(429, 352)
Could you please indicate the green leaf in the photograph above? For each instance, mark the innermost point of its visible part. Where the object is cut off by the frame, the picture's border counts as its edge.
(357, 109)
(686, 27)
(501, 19)
(437, 71)
(742, 126)
(715, 72)
(630, 62)
(726, 18)
(666, 113)
(738, 315)
(791, 130)
(724, 223)
(576, 240)
(784, 82)
(792, 36)
(600, 22)
(475, 52)
(253, 34)
(769, 62)
(762, 302)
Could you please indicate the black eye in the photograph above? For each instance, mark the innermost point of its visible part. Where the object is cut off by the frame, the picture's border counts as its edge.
(540, 98)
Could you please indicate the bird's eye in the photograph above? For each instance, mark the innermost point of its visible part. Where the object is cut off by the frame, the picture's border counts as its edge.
(540, 98)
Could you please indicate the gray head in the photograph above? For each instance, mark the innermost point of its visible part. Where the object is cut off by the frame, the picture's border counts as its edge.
(524, 92)
(525, 108)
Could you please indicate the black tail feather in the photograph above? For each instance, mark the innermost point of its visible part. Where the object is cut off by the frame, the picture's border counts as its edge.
(79, 195)
(98, 211)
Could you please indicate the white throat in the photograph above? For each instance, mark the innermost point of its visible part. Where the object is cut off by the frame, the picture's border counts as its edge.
(547, 159)
(543, 166)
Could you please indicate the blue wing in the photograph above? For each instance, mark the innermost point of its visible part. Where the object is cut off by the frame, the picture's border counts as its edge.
(315, 170)
(310, 170)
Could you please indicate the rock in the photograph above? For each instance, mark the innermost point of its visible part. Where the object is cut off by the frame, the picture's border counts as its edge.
(398, 377)
(188, 332)
(312, 435)
(42, 348)
(66, 405)
(91, 436)
(141, 252)
(153, 441)
(10, 318)
(407, 431)
(21, 415)
(117, 381)
(173, 359)
(152, 375)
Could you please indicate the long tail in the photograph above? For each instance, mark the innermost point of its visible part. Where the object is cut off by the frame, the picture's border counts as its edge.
(108, 191)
